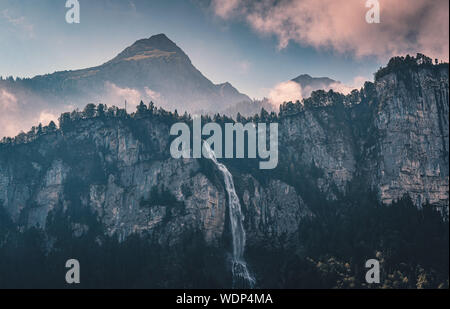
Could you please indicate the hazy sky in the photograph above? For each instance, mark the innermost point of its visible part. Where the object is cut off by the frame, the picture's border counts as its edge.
(252, 44)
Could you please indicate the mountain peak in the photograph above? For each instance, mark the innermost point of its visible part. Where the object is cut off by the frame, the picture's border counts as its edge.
(305, 76)
(306, 79)
(156, 46)
(310, 84)
(225, 85)
(160, 36)
(154, 68)
(158, 41)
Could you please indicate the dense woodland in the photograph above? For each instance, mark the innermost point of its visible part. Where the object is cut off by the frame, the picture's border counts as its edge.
(411, 245)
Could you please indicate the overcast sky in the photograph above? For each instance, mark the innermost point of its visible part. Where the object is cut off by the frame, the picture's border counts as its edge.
(252, 44)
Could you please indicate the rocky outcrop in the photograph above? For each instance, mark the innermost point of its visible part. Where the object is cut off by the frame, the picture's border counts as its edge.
(321, 140)
(412, 125)
(392, 136)
(273, 211)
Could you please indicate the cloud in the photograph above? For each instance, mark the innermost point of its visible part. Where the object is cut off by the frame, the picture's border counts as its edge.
(15, 118)
(45, 117)
(152, 95)
(292, 91)
(358, 83)
(284, 92)
(8, 101)
(20, 110)
(226, 8)
(10, 127)
(406, 26)
(8, 107)
(19, 23)
(116, 95)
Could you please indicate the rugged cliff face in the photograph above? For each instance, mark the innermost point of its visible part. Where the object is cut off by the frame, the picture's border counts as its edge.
(122, 170)
(412, 125)
(391, 137)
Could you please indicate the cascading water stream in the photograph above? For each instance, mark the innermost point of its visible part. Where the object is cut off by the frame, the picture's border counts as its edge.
(241, 275)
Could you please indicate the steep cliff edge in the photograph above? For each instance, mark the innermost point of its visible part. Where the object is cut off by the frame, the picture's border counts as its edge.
(119, 167)
(391, 137)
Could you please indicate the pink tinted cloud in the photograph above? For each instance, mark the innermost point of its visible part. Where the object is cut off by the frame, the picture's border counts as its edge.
(285, 92)
(225, 9)
(19, 112)
(407, 26)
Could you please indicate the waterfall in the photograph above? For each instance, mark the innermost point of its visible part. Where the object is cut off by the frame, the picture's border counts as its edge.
(241, 274)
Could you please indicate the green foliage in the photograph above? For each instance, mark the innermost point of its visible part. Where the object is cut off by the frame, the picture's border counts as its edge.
(402, 67)
(89, 110)
(137, 262)
(332, 247)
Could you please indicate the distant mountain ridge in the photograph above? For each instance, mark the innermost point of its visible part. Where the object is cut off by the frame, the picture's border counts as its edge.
(153, 69)
(156, 67)
(310, 84)
(307, 80)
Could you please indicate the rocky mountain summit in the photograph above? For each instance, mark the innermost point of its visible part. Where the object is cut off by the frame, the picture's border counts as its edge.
(153, 69)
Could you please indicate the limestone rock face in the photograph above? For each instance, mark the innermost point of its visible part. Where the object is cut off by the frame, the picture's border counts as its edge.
(104, 165)
(412, 151)
(391, 138)
(272, 211)
(318, 139)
